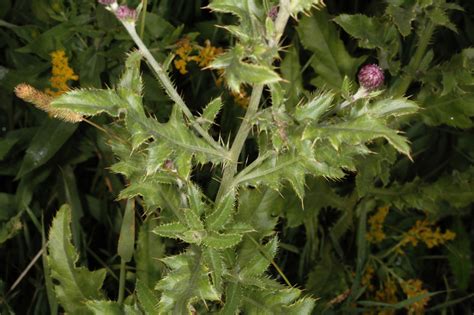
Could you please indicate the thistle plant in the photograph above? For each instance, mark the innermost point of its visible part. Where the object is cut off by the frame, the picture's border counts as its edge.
(227, 255)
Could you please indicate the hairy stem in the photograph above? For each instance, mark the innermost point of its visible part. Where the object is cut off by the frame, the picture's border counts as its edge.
(246, 125)
(167, 84)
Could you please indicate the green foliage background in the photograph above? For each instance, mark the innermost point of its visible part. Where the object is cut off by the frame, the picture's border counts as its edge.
(311, 233)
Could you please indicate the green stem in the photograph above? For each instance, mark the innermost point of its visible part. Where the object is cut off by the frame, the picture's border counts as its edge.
(244, 129)
(246, 125)
(401, 85)
(121, 291)
(167, 84)
(142, 23)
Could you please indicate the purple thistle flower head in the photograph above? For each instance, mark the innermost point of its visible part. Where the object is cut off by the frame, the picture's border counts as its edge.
(107, 2)
(125, 13)
(371, 77)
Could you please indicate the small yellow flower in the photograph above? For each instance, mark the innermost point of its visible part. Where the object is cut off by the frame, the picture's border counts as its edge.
(425, 232)
(413, 288)
(376, 233)
(180, 65)
(241, 98)
(61, 73)
(387, 294)
(366, 280)
(207, 54)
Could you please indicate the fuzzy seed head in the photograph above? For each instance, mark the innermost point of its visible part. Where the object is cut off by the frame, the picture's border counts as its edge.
(371, 77)
(125, 13)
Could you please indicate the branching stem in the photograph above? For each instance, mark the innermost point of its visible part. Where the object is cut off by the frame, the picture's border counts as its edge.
(167, 84)
(246, 125)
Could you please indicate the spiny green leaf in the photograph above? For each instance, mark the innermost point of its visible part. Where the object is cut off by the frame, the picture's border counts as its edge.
(214, 261)
(238, 72)
(370, 32)
(358, 131)
(75, 285)
(131, 78)
(254, 261)
(171, 230)
(150, 247)
(260, 208)
(292, 74)
(402, 17)
(276, 302)
(439, 17)
(452, 110)
(389, 107)
(154, 193)
(111, 308)
(297, 6)
(331, 61)
(303, 306)
(233, 299)
(91, 102)
(147, 298)
(274, 170)
(221, 241)
(456, 189)
(195, 199)
(222, 213)
(240, 8)
(178, 136)
(193, 221)
(187, 281)
(210, 113)
(315, 108)
(158, 152)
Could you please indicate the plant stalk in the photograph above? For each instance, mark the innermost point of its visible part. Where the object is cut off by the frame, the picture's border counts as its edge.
(121, 291)
(246, 125)
(167, 84)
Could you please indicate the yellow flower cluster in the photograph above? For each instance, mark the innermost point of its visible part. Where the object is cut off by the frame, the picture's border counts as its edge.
(376, 233)
(425, 232)
(388, 291)
(412, 288)
(61, 73)
(366, 280)
(188, 51)
(387, 294)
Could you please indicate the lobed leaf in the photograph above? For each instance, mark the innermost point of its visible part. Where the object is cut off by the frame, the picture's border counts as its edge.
(75, 285)
(222, 213)
(331, 60)
(187, 281)
(221, 241)
(358, 131)
(91, 102)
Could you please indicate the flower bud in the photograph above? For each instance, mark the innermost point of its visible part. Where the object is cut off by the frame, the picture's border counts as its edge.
(371, 77)
(273, 13)
(125, 13)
